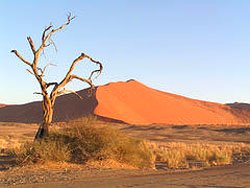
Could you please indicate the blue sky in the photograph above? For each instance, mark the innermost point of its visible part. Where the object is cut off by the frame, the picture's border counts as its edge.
(199, 49)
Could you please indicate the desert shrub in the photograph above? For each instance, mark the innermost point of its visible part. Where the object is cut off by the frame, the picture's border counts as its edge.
(82, 141)
(91, 142)
(42, 151)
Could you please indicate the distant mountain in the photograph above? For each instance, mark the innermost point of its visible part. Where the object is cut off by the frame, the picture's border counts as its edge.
(133, 103)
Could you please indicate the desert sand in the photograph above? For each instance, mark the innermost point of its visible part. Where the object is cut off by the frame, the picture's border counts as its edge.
(236, 175)
(231, 176)
(134, 103)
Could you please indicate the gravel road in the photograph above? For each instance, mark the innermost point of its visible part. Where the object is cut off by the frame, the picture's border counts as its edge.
(236, 176)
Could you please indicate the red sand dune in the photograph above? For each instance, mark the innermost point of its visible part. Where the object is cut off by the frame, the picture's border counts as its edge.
(2, 105)
(131, 102)
(135, 103)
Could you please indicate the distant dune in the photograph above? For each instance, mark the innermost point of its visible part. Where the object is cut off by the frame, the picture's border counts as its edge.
(2, 105)
(241, 110)
(67, 107)
(133, 103)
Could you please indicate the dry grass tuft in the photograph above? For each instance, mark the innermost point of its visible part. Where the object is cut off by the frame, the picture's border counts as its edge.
(83, 141)
(42, 151)
(183, 155)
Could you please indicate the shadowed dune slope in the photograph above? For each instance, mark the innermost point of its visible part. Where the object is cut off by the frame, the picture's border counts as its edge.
(241, 110)
(67, 107)
(135, 103)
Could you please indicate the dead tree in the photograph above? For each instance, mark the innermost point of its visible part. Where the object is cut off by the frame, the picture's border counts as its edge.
(58, 88)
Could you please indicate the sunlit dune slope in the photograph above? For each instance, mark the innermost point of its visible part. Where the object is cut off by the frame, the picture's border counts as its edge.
(2, 105)
(135, 103)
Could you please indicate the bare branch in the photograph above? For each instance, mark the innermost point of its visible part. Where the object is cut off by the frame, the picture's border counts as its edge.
(98, 71)
(38, 93)
(69, 19)
(68, 91)
(44, 69)
(45, 30)
(38, 68)
(51, 84)
(30, 72)
(68, 78)
(53, 43)
(88, 81)
(46, 38)
(21, 58)
(47, 45)
(32, 45)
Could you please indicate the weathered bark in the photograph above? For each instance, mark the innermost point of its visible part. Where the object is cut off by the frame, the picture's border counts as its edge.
(57, 88)
(48, 110)
(43, 131)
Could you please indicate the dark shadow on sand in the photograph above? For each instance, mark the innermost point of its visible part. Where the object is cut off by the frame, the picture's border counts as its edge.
(67, 107)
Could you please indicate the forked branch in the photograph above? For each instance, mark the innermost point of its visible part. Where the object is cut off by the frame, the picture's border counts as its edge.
(51, 84)
(48, 32)
(45, 30)
(98, 71)
(44, 68)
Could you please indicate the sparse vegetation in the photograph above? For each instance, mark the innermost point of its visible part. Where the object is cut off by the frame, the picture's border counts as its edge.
(183, 155)
(83, 141)
(42, 151)
(88, 141)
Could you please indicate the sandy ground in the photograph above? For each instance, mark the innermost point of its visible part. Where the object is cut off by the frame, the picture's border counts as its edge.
(14, 134)
(220, 177)
(228, 176)
(217, 177)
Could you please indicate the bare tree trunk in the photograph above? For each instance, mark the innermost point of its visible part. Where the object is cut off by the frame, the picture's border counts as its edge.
(49, 96)
(43, 130)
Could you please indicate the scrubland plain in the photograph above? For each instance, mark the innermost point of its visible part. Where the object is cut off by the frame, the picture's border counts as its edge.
(173, 152)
